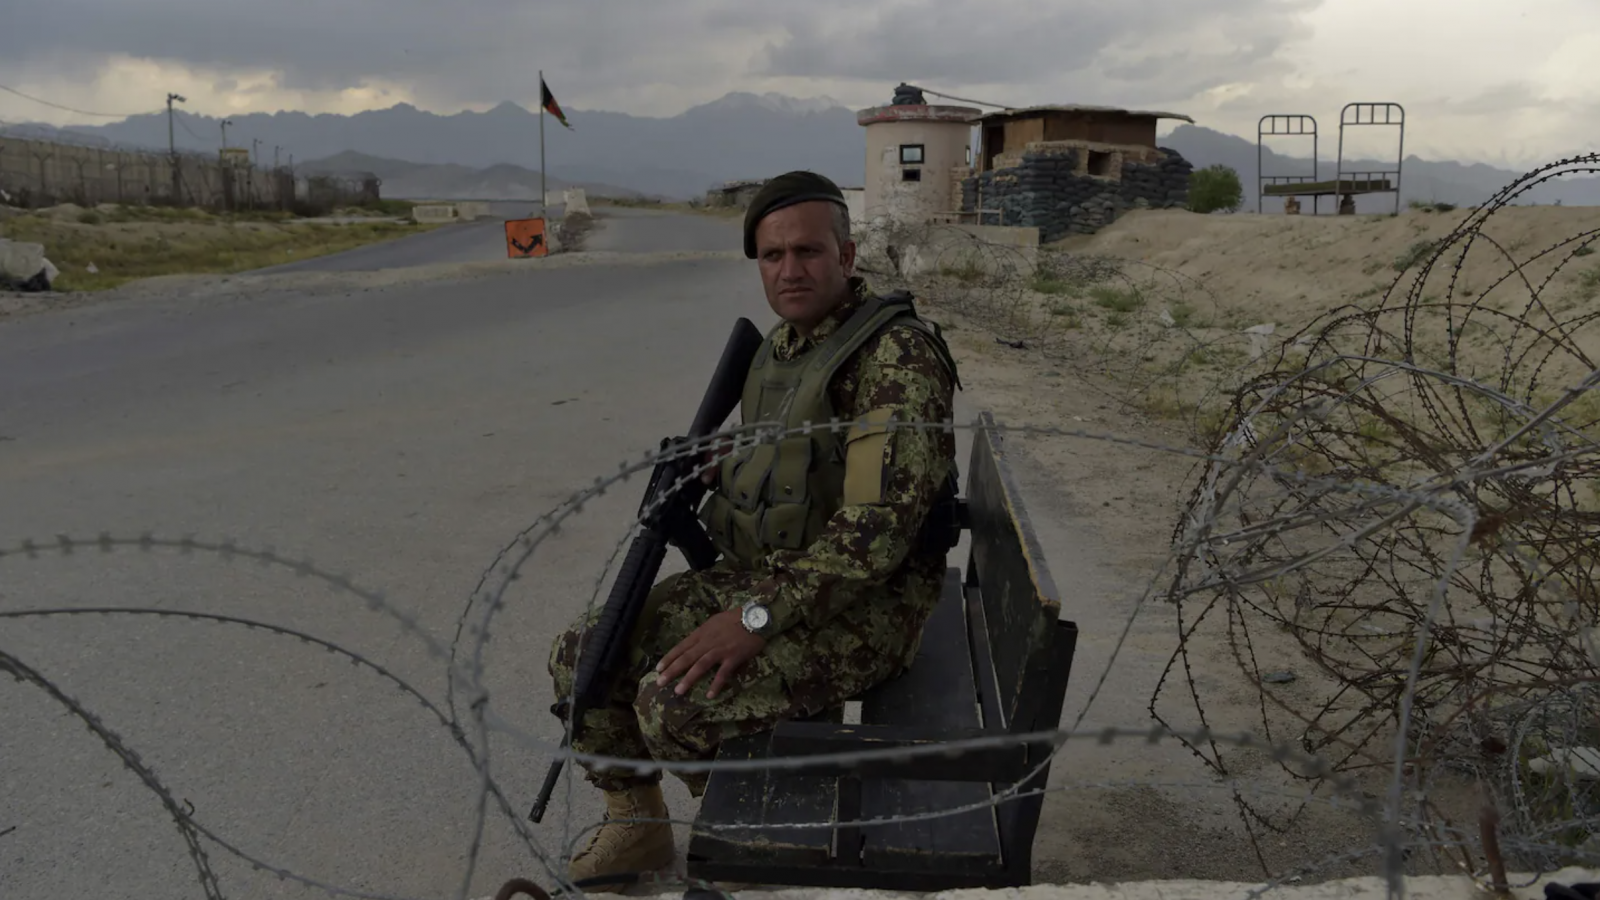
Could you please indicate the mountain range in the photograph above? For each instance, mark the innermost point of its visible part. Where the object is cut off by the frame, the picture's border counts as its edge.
(495, 154)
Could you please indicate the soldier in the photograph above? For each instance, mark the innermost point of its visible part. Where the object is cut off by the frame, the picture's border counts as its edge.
(831, 561)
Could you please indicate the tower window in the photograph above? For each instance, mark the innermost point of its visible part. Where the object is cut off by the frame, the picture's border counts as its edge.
(910, 174)
(911, 154)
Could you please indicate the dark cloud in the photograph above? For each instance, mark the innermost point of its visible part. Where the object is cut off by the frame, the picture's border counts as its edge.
(483, 51)
(463, 51)
(1030, 42)
(1512, 97)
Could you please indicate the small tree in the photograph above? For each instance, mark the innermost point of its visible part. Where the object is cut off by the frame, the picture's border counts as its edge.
(1215, 187)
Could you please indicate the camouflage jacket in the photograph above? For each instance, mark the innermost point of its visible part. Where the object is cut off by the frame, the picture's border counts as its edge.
(864, 563)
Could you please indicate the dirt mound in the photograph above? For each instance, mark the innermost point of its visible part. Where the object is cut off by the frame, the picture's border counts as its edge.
(1287, 268)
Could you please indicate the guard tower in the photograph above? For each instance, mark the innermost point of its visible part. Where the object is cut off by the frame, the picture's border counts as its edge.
(917, 155)
(1346, 184)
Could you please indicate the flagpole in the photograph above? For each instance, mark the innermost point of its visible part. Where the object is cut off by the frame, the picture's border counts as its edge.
(541, 144)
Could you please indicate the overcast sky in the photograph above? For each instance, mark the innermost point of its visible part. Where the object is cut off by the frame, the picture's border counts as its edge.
(1509, 83)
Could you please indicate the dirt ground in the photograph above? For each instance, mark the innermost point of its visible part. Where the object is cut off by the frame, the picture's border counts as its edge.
(1105, 512)
(1150, 356)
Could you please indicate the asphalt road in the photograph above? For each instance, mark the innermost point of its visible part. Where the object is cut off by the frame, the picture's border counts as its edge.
(398, 437)
(627, 230)
(618, 229)
(480, 239)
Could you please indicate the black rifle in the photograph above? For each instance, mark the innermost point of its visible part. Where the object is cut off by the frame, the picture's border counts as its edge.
(668, 517)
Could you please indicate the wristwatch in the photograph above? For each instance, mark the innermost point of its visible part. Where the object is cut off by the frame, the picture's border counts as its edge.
(755, 617)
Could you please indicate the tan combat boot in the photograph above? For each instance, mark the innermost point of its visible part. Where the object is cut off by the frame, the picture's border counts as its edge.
(621, 847)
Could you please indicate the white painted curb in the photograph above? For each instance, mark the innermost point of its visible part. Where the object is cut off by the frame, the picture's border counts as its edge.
(1426, 887)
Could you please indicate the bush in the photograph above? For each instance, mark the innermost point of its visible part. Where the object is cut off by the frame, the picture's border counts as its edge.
(1215, 187)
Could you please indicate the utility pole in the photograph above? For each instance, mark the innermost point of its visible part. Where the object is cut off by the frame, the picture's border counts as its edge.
(277, 179)
(225, 124)
(542, 190)
(172, 147)
(255, 152)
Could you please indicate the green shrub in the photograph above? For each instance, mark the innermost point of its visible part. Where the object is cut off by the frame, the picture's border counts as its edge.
(1216, 187)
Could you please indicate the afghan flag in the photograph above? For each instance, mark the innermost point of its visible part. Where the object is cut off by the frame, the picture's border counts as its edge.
(548, 101)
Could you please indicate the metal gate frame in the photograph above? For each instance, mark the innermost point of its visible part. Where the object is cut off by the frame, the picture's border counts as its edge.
(1297, 121)
(1388, 110)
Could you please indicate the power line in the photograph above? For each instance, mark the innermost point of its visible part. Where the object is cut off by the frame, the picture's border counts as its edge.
(960, 100)
(185, 126)
(81, 112)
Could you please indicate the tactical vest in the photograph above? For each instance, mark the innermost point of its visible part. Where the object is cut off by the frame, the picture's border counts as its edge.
(780, 493)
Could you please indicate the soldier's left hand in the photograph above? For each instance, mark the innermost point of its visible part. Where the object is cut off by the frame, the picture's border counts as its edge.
(721, 642)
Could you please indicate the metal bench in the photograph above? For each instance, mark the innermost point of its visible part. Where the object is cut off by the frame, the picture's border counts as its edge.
(994, 660)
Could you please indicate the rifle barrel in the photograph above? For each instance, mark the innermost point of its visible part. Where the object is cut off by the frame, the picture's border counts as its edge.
(605, 642)
(543, 800)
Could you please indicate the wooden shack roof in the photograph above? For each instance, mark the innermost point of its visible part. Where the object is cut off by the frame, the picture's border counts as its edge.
(1028, 112)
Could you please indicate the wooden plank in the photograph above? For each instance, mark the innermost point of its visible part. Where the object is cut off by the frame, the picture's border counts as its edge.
(766, 801)
(981, 649)
(1019, 818)
(937, 691)
(1019, 597)
(836, 876)
(981, 764)
(1324, 188)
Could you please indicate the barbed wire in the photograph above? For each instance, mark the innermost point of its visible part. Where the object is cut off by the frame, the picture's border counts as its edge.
(1350, 473)
(24, 134)
(1357, 616)
(81, 112)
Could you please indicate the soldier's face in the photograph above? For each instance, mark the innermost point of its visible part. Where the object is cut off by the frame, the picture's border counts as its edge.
(803, 268)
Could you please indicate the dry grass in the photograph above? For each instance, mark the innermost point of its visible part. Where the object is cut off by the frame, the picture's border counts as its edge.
(1158, 305)
(127, 243)
(721, 212)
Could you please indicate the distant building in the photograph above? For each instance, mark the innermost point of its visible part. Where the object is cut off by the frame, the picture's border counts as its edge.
(1071, 168)
(736, 194)
(1104, 130)
(917, 155)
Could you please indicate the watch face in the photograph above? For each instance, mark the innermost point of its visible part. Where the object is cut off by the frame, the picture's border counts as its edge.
(756, 617)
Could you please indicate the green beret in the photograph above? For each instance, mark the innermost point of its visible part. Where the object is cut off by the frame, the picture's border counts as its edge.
(786, 190)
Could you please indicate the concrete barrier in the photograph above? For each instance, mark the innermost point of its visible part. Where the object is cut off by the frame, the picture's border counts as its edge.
(23, 262)
(995, 250)
(1419, 887)
(855, 200)
(468, 210)
(577, 201)
(434, 212)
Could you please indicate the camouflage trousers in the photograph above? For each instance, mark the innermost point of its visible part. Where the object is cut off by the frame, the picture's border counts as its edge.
(800, 673)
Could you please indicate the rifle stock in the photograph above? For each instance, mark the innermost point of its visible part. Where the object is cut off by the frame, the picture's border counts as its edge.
(668, 514)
